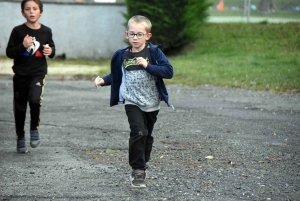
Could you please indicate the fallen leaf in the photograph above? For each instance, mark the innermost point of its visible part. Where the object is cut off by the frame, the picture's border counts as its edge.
(161, 157)
(207, 185)
(209, 157)
(112, 151)
(273, 159)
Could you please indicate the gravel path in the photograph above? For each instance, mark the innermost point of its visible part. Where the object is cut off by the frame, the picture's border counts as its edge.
(253, 137)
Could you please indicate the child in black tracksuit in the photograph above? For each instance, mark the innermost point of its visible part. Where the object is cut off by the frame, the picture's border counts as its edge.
(28, 45)
(136, 80)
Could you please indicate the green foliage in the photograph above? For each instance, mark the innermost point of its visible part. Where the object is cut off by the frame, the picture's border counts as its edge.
(175, 23)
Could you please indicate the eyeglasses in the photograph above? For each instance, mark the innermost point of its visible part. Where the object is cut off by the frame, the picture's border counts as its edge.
(138, 35)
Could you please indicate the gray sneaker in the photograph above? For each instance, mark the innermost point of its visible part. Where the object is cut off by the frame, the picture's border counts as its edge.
(137, 178)
(21, 146)
(34, 138)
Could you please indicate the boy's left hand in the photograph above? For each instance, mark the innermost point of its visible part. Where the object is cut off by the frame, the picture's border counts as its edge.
(141, 61)
(47, 50)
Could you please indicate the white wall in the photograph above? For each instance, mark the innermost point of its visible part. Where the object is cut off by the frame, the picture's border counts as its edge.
(79, 30)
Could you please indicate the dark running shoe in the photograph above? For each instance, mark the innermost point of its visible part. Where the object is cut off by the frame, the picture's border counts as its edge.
(137, 178)
(21, 146)
(34, 138)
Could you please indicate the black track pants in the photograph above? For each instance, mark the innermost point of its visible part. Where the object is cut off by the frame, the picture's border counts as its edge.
(27, 89)
(141, 140)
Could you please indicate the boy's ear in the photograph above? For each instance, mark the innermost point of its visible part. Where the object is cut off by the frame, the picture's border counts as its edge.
(148, 36)
(126, 35)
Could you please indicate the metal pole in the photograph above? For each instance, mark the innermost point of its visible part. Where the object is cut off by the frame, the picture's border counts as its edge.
(248, 11)
(245, 7)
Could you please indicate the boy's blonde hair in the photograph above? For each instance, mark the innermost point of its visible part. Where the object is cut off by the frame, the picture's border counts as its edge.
(141, 20)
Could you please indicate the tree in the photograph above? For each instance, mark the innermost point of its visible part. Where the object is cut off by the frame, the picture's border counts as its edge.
(175, 23)
(266, 6)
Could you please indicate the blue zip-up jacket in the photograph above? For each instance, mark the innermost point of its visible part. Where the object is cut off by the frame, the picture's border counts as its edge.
(159, 67)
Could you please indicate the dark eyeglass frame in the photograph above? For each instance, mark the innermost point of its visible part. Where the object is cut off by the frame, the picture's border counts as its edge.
(138, 35)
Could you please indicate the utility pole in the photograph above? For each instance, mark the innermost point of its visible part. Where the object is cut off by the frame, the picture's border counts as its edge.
(247, 8)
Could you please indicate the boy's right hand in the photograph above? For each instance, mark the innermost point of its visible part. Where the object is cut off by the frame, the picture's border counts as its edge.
(98, 81)
(28, 41)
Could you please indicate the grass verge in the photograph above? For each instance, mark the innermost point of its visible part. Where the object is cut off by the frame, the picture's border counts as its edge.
(250, 56)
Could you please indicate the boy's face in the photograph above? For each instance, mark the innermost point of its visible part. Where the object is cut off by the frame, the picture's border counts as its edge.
(32, 12)
(140, 36)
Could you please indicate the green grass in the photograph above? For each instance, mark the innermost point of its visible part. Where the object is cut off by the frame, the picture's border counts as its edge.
(277, 14)
(249, 56)
(278, 3)
(282, 9)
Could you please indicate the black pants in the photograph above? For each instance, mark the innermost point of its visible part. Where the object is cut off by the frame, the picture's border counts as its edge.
(27, 89)
(141, 140)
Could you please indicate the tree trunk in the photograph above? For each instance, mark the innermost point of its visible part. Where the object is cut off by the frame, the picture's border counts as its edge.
(266, 6)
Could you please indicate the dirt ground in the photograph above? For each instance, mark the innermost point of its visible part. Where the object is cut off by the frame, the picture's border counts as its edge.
(253, 139)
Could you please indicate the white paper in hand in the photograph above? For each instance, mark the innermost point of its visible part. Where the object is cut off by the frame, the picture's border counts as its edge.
(96, 81)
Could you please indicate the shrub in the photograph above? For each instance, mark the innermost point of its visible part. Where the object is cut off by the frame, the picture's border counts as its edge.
(175, 23)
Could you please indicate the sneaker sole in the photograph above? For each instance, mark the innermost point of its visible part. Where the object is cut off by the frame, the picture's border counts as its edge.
(134, 186)
(35, 144)
(22, 150)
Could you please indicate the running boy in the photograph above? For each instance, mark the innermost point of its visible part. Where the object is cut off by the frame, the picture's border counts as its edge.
(28, 45)
(136, 80)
